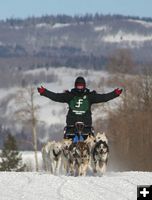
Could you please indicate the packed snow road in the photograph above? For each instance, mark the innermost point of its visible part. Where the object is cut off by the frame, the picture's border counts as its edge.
(43, 186)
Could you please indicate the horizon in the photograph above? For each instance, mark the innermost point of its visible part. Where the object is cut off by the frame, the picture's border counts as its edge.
(80, 15)
(21, 10)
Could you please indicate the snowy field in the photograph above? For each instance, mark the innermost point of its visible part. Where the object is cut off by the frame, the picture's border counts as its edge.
(42, 186)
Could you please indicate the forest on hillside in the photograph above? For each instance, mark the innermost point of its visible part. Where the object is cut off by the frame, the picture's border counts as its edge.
(80, 41)
(62, 18)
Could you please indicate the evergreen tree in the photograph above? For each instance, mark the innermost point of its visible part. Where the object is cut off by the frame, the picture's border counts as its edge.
(11, 159)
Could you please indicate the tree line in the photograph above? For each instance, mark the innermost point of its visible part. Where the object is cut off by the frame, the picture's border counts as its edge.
(63, 18)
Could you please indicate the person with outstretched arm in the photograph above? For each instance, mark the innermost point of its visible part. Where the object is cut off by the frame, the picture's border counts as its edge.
(79, 100)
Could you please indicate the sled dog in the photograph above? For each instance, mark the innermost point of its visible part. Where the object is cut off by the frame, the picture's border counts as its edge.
(100, 157)
(79, 156)
(90, 141)
(52, 156)
(65, 154)
(45, 155)
(55, 157)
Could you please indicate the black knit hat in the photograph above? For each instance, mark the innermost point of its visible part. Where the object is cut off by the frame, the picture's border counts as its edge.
(80, 81)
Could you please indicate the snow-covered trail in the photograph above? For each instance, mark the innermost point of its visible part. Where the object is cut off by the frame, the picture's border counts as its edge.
(43, 186)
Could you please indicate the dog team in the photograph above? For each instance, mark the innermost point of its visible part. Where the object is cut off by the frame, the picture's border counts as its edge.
(76, 159)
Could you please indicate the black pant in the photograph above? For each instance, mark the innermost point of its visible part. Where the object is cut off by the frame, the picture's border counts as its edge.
(70, 131)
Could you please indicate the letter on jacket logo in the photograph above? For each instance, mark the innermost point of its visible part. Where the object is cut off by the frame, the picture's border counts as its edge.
(79, 102)
(78, 105)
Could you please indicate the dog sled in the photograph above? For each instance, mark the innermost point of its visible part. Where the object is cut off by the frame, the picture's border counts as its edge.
(78, 132)
(79, 151)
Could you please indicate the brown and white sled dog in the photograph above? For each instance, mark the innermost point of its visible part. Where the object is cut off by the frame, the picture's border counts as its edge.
(90, 141)
(79, 156)
(65, 155)
(51, 154)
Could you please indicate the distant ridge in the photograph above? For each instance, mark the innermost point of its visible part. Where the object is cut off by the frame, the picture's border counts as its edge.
(73, 41)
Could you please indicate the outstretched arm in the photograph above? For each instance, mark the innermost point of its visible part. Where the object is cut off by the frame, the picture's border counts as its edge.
(59, 97)
(98, 98)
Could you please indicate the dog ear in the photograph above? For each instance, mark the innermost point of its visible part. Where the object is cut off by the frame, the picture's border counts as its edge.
(103, 133)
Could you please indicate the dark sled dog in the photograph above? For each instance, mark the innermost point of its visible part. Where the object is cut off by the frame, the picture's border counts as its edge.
(79, 156)
(100, 154)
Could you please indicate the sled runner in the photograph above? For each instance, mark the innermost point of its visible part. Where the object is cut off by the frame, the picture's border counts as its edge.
(78, 132)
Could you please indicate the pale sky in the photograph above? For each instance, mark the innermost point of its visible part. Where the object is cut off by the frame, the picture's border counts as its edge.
(27, 8)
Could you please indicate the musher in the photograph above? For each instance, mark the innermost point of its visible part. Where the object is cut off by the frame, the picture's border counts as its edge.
(79, 100)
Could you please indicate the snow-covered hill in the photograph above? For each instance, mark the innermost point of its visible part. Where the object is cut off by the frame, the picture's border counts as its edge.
(80, 41)
(42, 186)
